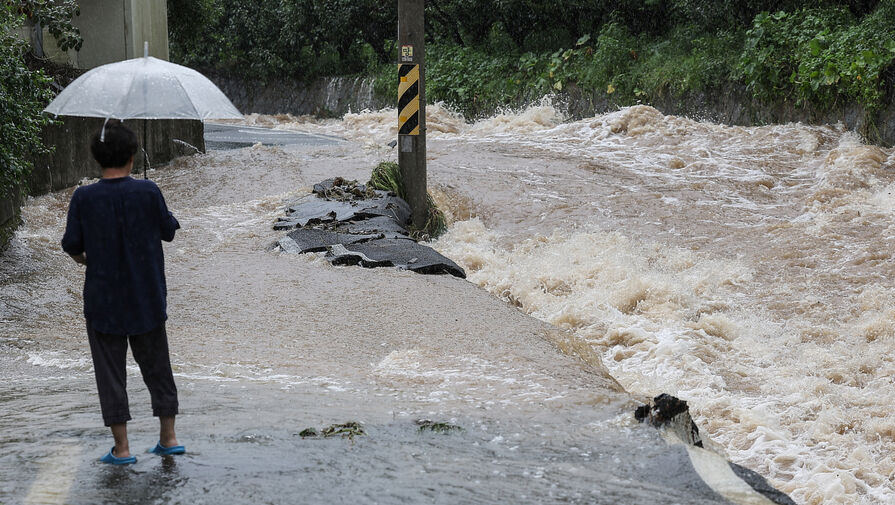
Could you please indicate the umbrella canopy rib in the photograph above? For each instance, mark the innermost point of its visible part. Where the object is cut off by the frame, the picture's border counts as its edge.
(124, 99)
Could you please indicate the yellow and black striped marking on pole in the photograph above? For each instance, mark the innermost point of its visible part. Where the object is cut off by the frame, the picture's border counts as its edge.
(408, 99)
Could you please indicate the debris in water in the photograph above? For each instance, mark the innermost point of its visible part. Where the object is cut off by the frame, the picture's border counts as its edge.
(672, 413)
(308, 432)
(436, 427)
(343, 190)
(356, 225)
(346, 430)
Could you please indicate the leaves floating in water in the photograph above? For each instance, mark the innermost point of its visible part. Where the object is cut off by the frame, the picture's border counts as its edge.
(308, 432)
(349, 430)
(436, 427)
(346, 430)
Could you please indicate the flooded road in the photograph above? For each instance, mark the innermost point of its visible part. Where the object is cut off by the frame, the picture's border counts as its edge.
(265, 345)
(745, 270)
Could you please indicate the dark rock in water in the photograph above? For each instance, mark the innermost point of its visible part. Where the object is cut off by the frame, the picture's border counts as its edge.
(437, 427)
(358, 226)
(386, 206)
(670, 412)
(284, 223)
(311, 210)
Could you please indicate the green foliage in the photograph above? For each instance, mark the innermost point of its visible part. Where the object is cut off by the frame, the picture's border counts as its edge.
(474, 81)
(23, 95)
(820, 56)
(387, 177)
(627, 67)
(55, 16)
(299, 38)
(686, 60)
(484, 55)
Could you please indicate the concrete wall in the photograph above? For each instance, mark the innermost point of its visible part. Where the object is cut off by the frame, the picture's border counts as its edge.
(113, 30)
(145, 20)
(71, 161)
(734, 105)
(330, 97)
(102, 26)
(9, 216)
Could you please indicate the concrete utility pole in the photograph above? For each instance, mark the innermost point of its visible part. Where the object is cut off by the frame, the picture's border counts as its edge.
(412, 107)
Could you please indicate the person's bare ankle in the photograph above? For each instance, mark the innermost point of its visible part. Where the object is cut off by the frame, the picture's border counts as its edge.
(122, 447)
(122, 451)
(167, 435)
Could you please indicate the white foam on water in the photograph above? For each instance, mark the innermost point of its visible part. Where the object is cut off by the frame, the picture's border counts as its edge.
(60, 359)
(765, 297)
(784, 350)
(434, 378)
(668, 320)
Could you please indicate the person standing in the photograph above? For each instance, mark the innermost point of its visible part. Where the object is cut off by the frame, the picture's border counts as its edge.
(116, 227)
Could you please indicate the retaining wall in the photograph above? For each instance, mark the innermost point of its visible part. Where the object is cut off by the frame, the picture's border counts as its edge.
(731, 104)
(734, 105)
(71, 161)
(330, 97)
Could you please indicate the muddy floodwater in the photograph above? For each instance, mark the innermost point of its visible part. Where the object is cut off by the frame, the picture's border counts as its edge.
(748, 271)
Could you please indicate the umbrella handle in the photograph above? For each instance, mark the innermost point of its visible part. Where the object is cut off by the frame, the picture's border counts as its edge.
(102, 133)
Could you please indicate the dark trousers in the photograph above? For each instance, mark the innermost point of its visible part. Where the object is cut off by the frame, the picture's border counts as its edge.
(150, 351)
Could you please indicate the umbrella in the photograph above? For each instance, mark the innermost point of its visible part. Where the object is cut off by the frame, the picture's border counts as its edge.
(143, 88)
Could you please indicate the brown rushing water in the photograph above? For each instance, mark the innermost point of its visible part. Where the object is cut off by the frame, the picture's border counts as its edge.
(746, 270)
(265, 344)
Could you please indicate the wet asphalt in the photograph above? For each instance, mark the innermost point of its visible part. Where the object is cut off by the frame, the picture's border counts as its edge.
(244, 444)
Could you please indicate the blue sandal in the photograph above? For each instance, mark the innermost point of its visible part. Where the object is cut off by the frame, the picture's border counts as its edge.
(167, 451)
(112, 459)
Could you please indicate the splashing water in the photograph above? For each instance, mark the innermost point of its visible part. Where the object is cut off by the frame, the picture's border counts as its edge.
(747, 270)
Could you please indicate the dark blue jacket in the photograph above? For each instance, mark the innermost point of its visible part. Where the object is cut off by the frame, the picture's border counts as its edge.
(119, 224)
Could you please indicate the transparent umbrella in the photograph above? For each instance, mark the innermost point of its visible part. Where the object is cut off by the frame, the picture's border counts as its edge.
(143, 88)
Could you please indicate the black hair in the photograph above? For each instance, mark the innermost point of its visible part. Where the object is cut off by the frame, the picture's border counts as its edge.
(116, 147)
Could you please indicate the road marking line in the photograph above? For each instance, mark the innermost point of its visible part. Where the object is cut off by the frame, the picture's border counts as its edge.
(56, 475)
(717, 474)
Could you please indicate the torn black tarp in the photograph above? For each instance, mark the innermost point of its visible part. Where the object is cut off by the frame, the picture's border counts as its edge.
(358, 226)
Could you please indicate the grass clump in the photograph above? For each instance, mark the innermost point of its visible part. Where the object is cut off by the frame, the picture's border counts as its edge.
(348, 430)
(387, 177)
(308, 432)
(437, 427)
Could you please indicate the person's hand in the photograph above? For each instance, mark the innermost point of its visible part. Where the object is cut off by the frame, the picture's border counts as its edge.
(80, 258)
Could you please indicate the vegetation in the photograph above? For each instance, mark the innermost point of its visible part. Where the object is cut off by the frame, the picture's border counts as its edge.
(387, 177)
(25, 92)
(485, 54)
(437, 427)
(347, 430)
